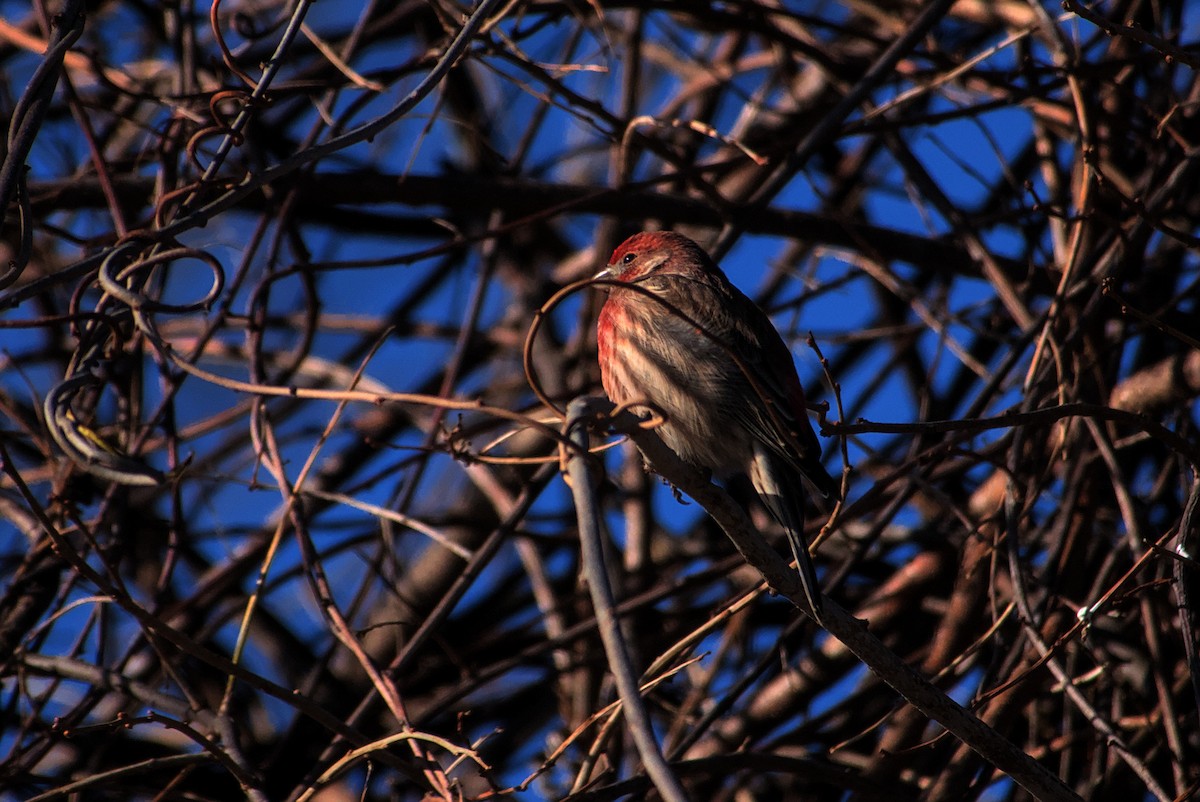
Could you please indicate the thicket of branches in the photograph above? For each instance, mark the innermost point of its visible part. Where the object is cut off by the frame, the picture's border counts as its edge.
(284, 518)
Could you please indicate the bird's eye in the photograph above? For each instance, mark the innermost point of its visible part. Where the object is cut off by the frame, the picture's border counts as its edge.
(629, 257)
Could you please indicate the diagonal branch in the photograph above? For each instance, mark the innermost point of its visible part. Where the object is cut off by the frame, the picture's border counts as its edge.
(918, 691)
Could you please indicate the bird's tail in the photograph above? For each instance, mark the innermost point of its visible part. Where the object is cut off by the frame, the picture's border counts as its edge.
(781, 488)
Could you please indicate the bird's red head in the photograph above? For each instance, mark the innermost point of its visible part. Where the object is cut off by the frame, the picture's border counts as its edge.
(648, 251)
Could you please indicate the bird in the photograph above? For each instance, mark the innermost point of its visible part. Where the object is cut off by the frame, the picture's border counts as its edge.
(711, 360)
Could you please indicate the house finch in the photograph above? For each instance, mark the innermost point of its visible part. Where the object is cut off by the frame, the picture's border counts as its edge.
(720, 372)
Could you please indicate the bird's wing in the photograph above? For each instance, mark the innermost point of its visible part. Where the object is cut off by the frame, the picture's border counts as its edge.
(777, 414)
(761, 391)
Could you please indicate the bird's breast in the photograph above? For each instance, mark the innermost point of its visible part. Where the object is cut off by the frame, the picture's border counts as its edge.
(662, 361)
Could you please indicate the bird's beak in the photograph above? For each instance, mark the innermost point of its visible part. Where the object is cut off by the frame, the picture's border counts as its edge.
(607, 272)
